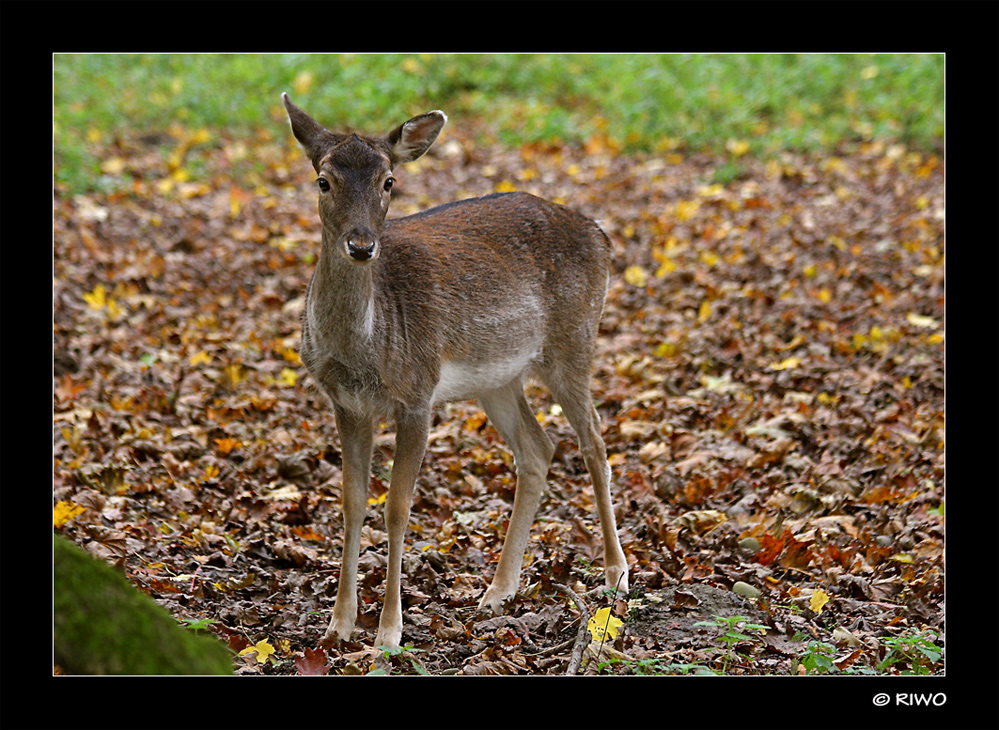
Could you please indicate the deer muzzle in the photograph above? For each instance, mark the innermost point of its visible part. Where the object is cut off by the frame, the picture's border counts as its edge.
(361, 247)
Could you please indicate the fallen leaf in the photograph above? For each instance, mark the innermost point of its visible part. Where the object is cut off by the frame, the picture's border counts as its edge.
(68, 389)
(288, 377)
(918, 320)
(636, 276)
(786, 364)
(226, 445)
(737, 147)
(98, 298)
(818, 600)
(602, 625)
(63, 512)
(263, 649)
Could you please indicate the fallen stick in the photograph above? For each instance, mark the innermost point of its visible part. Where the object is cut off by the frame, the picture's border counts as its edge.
(583, 635)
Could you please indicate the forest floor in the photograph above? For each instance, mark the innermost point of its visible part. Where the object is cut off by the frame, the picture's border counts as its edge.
(770, 377)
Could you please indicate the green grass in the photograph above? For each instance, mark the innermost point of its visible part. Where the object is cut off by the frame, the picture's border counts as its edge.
(643, 102)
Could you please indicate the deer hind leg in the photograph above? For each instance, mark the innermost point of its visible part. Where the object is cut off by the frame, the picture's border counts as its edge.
(511, 415)
(577, 404)
(356, 435)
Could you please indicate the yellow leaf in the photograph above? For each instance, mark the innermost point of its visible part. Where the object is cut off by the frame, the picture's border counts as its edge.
(505, 187)
(602, 625)
(412, 66)
(818, 600)
(113, 166)
(97, 298)
(263, 649)
(666, 266)
(737, 147)
(787, 364)
(636, 276)
(236, 199)
(234, 373)
(380, 499)
(303, 82)
(667, 349)
(796, 341)
(201, 357)
(63, 512)
(704, 311)
(709, 257)
(200, 136)
(192, 190)
(288, 376)
(686, 209)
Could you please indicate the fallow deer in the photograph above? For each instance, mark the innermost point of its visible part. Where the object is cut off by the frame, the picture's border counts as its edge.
(462, 301)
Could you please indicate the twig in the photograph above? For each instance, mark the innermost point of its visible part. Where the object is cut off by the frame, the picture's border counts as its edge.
(582, 636)
(538, 651)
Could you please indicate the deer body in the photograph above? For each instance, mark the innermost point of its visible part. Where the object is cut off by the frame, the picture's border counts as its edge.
(462, 301)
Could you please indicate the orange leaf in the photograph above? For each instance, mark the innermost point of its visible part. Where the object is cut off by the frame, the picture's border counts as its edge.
(226, 445)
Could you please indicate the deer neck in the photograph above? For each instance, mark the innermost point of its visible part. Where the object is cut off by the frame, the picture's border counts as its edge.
(340, 305)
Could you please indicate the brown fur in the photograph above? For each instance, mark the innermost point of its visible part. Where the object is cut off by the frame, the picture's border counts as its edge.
(459, 301)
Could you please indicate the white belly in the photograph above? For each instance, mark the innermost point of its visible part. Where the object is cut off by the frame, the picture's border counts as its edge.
(464, 380)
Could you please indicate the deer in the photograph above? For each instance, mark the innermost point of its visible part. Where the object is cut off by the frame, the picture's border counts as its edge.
(461, 301)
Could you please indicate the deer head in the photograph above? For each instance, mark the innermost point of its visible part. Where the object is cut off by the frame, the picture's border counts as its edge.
(355, 176)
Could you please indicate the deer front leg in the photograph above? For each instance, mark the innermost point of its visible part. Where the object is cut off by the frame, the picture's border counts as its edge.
(356, 434)
(412, 428)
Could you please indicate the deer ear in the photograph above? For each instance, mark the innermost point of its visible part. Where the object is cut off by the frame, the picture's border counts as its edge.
(410, 140)
(311, 135)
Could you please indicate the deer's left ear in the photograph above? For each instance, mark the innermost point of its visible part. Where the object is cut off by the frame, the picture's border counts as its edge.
(410, 140)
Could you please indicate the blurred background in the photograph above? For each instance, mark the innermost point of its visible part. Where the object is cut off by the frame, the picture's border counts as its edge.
(756, 104)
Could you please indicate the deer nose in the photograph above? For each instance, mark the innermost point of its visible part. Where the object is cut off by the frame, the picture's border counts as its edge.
(362, 247)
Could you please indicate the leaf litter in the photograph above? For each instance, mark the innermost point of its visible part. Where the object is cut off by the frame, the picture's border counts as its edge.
(769, 377)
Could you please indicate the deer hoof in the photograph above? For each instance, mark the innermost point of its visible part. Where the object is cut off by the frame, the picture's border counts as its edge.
(616, 578)
(388, 637)
(338, 631)
(494, 599)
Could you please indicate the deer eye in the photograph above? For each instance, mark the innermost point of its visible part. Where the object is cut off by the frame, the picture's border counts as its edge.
(324, 184)
(389, 182)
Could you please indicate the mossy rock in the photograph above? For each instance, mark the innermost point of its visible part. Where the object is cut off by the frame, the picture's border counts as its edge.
(103, 625)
